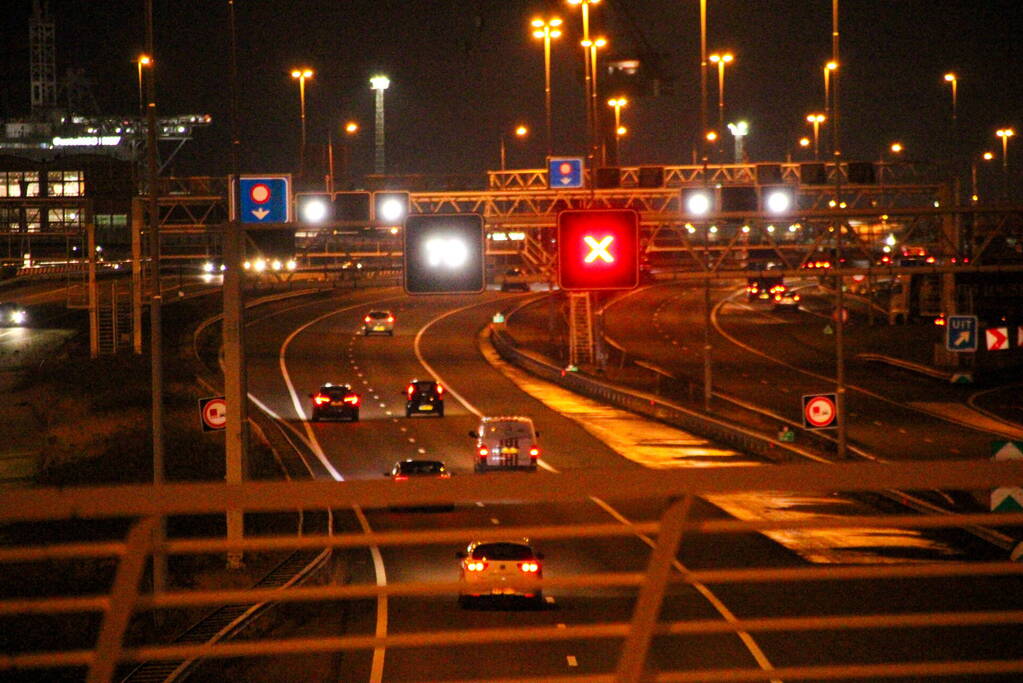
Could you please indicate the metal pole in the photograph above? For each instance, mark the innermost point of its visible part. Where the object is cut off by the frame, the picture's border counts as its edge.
(721, 99)
(587, 77)
(235, 380)
(839, 294)
(301, 151)
(547, 86)
(155, 325)
(90, 232)
(701, 134)
(708, 383)
(136, 275)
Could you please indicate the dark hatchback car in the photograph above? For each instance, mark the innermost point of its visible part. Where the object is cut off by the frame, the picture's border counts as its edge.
(335, 400)
(424, 397)
(404, 470)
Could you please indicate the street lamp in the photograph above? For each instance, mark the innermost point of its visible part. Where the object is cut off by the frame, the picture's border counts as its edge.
(545, 30)
(520, 132)
(593, 46)
(986, 156)
(828, 68)
(721, 60)
(379, 83)
(301, 75)
(351, 128)
(589, 76)
(896, 148)
(816, 120)
(617, 103)
(954, 81)
(143, 60)
(1005, 134)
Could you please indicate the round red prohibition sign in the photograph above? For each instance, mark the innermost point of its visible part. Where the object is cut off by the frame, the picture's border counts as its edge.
(214, 413)
(260, 193)
(820, 411)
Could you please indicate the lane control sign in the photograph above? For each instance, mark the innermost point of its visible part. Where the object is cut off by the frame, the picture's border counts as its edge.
(213, 413)
(820, 411)
(262, 199)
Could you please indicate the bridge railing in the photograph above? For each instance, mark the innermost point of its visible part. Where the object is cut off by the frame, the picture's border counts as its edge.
(141, 507)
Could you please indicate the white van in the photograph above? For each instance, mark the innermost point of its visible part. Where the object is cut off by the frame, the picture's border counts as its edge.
(506, 443)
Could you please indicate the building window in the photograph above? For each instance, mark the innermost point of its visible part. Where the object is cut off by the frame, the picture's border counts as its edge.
(65, 184)
(19, 184)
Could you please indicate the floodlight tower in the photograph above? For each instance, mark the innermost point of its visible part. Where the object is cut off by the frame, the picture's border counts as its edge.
(379, 83)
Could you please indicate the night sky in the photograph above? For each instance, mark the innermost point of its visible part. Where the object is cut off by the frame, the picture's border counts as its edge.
(464, 70)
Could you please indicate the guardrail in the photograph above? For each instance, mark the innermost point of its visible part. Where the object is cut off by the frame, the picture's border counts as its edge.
(145, 504)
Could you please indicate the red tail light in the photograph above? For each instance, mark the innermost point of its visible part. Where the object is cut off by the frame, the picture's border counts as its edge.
(795, 297)
(530, 567)
(366, 319)
(484, 452)
(400, 477)
(352, 399)
(440, 390)
(410, 390)
(321, 399)
(390, 318)
(476, 565)
(534, 453)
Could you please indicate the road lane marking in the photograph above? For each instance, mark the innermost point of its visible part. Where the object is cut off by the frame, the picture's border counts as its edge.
(377, 667)
(572, 661)
(495, 521)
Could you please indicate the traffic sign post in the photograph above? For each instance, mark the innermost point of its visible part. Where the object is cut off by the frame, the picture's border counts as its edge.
(598, 249)
(1007, 498)
(820, 411)
(262, 199)
(213, 413)
(961, 333)
(565, 173)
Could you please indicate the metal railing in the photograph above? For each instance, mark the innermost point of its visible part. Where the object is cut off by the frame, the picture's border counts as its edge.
(145, 504)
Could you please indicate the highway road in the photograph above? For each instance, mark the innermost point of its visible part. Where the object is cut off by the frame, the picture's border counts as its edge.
(293, 348)
(773, 358)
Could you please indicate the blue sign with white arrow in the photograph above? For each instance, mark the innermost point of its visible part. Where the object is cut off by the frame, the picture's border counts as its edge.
(961, 333)
(565, 173)
(264, 199)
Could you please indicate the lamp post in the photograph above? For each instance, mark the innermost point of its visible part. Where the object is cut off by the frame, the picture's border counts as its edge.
(593, 46)
(379, 83)
(588, 75)
(953, 80)
(520, 132)
(351, 128)
(804, 142)
(1005, 134)
(617, 103)
(721, 60)
(546, 30)
(986, 156)
(301, 75)
(816, 120)
(143, 60)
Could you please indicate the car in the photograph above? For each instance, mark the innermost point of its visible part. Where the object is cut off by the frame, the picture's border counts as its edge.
(13, 315)
(424, 397)
(404, 470)
(503, 562)
(335, 400)
(514, 278)
(785, 300)
(506, 443)
(378, 322)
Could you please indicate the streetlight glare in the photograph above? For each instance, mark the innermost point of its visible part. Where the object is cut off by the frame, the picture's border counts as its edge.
(950, 77)
(779, 201)
(831, 66)
(302, 73)
(447, 252)
(711, 136)
(988, 156)
(621, 130)
(698, 203)
(314, 211)
(896, 147)
(379, 82)
(521, 131)
(392, 210)
(804, 142)
(351, 127)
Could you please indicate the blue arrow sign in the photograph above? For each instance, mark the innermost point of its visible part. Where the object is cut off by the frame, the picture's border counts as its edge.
(565, 173)
(961, 333)
(264, 199)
